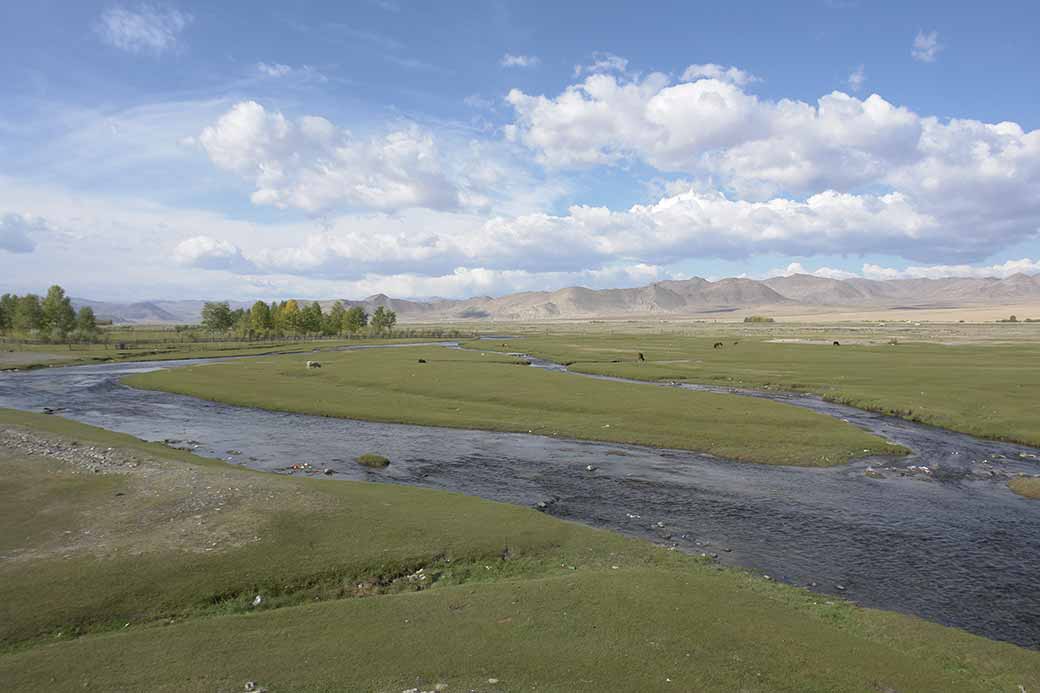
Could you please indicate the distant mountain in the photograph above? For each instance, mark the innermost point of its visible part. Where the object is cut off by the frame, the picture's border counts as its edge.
(149, 312)
(695, 296)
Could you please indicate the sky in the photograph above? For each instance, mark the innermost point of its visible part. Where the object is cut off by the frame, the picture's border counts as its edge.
(243, 150)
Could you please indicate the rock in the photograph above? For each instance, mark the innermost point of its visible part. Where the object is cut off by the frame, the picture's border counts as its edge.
(492, 681)
(258, 600)
(589, 468)
(840, 588)
(327, 472)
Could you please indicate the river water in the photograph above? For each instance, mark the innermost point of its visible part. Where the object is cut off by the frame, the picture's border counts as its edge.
(950, 544)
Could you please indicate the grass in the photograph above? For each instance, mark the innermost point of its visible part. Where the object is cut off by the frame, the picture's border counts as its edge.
(1028, 486)
(990, 391)
(512, 594)
(18, 356)
(488, 391)
(372, 460)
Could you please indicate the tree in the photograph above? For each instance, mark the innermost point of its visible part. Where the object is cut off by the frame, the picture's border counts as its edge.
(311, 319)
(260, 319)
(28, 314)
(86, 322)
(58, 315)
(217, 316)
(334, 320)
(1013, 319)
(240, 321)
(355, 320)
(8, 306)
(288, 318)
(383, 320)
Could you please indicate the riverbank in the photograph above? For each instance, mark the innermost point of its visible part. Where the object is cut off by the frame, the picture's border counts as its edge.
(434, 386)
(142, 564)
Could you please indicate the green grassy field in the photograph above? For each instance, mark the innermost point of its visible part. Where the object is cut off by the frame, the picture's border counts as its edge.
(992, 391)
(143, 578)
(495, 392)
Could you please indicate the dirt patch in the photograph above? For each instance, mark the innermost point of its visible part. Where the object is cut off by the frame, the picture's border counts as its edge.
(161, 505)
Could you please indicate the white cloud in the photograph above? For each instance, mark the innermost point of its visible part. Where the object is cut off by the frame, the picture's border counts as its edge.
(926, 46)
(205, 252)
(510, 60)
(1000, 271)
(733, 75)
(798, 268)
(303, 73)
(146, 28)
(603, 62)
(857, 79)
(17, 232)
(691, 224)
(273, 69)
(311, 164)
(980, 182)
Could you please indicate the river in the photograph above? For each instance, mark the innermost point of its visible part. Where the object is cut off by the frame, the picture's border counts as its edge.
(951, 544)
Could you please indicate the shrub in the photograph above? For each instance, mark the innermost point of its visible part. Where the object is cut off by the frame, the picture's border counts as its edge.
(758, 318)
(372, 460)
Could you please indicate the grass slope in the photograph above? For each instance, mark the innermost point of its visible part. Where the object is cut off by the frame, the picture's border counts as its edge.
(987, 391)
(119, 592)
(473, 390)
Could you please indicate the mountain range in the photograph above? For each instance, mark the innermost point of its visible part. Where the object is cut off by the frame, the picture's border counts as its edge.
(686, 297)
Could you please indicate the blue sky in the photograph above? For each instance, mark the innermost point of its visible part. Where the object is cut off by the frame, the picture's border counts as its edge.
(241, 150)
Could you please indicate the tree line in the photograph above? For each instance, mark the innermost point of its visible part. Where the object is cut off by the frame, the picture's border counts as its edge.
(289, 318)
(51, 318)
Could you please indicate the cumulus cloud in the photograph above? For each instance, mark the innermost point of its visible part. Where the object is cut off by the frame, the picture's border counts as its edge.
(311, 164)
(980, 182)
(17, 232)
(146, 28)
(510, 60)
(690, 224)
(926, 46)
(721, 73)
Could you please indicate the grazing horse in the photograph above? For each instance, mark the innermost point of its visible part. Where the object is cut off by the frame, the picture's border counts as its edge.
(313, 364)
(836, 343)
(422, 360)
(640, 356)
(718, 345)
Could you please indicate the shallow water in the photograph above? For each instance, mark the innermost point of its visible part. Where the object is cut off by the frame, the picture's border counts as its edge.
(952, 545)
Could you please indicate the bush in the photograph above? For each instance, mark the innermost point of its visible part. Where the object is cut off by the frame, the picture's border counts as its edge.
(758, 318)
(372, 460)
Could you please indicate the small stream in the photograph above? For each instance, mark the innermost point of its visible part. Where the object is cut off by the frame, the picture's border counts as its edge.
(949, 543)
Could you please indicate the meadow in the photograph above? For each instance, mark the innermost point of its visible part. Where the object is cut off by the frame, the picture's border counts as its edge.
(468, 389)
(988, 389)
(159, 344)
(146, 568)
